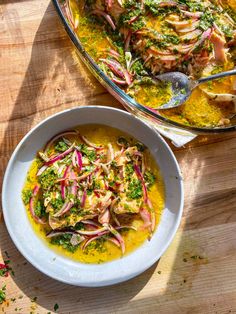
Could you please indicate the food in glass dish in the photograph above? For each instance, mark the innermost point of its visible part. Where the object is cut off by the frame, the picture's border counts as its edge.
(94, 193)
(133, 41)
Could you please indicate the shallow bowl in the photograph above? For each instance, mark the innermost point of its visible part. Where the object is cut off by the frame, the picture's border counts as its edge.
(35, 249)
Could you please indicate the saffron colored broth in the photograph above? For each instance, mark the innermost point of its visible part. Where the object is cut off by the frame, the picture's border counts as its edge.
(98, 38)
(97, 251)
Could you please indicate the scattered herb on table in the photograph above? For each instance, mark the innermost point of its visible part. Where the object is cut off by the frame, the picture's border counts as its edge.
(56, 307)
(3, 294)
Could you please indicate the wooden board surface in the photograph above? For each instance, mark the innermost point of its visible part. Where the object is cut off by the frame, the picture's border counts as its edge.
(40, 75)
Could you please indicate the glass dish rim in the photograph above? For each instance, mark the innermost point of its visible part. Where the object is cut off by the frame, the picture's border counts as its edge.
(129, 101)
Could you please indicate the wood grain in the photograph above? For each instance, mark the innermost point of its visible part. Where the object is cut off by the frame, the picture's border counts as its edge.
(40, 75)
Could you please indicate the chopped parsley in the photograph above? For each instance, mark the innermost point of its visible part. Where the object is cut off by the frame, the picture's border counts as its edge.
(47, 178)
(97, 245)
(3, 294)
(206, 21)
(138, 68)
(56, 307)
(61, 146)
(64, 241)
(149, 178)
(135, 189)
(57, 203)
(26, 196)
(39, 209)
(90, 154)
(129, 169)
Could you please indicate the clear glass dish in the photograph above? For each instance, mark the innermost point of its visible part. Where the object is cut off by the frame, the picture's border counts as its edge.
(128, 102)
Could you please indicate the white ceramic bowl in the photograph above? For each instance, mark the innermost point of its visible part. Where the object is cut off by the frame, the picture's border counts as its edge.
(62, 268)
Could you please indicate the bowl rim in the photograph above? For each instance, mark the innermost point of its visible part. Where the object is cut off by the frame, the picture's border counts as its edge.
(120, 94)
(26, 254)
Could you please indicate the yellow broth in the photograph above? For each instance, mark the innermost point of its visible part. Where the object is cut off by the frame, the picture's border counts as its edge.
(133, 239)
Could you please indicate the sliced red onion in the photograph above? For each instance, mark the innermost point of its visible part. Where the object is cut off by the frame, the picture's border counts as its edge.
(146, 217)
(114, 241)
(79, 159)
(115, 218)
(204, 36)
(117, 236)
(114, 66)
(117, 81)
(126, 227)
(133, 19)
(114, 53)
(88, 241)
(155, 51)
(192, 27)
(90, 222)
(90, 143)
(141, 178)
(60, 169)
(52, 140)
(41, 170)
(74, 188)
(106, 16)
(58, 232)
(127, 77)
(112, 212)
(191, 35)
(63, 187)
(92, 232)
(192, 14)
(65, 208)
(104, 217)
(89, 180)
(31, 206)
(73, 159)
(84, 176)
(60, 156)
(218, 29)
(72, 176)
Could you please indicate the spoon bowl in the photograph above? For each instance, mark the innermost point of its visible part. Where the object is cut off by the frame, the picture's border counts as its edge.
(182, 86)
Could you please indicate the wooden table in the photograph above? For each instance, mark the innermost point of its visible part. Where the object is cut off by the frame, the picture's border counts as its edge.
(40, 75)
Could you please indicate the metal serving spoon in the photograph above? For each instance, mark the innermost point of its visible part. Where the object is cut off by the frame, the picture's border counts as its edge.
(182, 86)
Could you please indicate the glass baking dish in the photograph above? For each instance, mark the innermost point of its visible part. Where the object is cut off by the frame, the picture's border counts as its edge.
(128, 102)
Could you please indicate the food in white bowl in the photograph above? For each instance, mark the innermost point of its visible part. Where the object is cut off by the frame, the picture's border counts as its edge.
(153, 234)
(94, 193)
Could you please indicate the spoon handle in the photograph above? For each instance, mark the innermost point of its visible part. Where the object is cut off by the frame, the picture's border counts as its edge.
(216, 76)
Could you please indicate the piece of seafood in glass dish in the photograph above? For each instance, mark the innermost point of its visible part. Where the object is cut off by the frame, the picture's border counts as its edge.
(127, 44)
